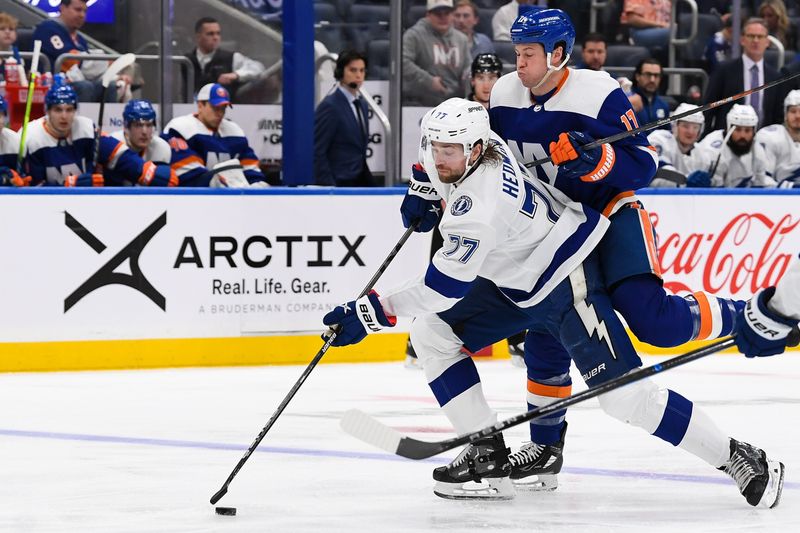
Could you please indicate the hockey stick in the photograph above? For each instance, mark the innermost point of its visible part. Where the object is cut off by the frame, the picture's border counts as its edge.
(37, 48)
(364, 427)
(721, 148)
(381, 269)
(667, 120)
(111, 73)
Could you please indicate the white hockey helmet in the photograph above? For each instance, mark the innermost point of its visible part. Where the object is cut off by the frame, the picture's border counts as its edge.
(742, 115)
(793, 98)
(457, 121)
(696, 118)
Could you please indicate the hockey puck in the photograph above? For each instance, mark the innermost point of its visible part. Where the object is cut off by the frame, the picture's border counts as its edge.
(226, 511)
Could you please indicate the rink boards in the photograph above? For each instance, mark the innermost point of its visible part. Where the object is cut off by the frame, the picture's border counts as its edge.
(137, 278)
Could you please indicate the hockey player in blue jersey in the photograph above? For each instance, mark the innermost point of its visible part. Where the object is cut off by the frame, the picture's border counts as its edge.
(519, 254)
(9, 151)
(139, 132)
(201, 140)
(61, 145)
(546, 109)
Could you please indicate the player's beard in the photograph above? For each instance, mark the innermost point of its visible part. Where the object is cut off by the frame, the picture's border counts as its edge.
(740, 147)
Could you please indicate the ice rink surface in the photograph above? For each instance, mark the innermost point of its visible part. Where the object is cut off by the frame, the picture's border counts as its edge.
(144, 451)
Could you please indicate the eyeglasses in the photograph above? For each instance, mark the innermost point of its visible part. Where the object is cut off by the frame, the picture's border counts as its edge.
(755, 36)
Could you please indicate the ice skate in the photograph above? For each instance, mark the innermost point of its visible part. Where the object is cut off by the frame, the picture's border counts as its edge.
(759, 480)
(516, 348)
(535, 466)
(480, 472)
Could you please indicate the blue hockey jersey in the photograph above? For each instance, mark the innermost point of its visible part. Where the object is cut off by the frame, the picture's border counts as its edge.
(56, 40)
(9, 148)
(586, 101)
(49, 159)
(196, 149)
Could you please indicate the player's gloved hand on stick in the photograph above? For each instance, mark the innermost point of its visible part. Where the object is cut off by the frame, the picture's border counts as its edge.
(158, 176)
(87, 179)
(576, 162)
(10, 178)
(422, 202)
(698, 178)
(760, 331)
(356, 319)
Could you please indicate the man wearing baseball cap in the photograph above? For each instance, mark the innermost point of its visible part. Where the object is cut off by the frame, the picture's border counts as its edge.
(436, 57)
(202, 139)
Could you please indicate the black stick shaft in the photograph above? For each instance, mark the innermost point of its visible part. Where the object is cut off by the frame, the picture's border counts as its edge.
(221, 492)
(415, 449)
(667, 120)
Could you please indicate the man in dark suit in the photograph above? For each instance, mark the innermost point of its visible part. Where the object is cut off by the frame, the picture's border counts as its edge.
(744, 73)
(341, 129)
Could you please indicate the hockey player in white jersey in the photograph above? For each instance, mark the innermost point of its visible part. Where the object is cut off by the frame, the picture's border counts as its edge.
(781, 144)
(9, 151)
(496, 216)
(770, 316)
(739, 161)
(139, 133)
(678, 152)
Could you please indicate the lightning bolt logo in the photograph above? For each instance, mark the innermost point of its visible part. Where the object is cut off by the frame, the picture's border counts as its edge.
(593, 325)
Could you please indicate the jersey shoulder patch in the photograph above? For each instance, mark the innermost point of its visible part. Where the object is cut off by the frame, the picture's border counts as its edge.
(461, 205)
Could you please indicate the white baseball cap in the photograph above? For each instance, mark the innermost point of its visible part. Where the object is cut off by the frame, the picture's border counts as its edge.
(438, 4)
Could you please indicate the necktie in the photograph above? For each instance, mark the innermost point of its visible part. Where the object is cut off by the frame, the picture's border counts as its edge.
(755, 98)
(359, 113)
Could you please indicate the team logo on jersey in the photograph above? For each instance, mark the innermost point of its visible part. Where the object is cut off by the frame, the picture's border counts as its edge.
(461, 206)
(106, 274)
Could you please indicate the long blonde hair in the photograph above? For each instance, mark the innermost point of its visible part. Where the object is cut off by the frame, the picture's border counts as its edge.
(782, 31)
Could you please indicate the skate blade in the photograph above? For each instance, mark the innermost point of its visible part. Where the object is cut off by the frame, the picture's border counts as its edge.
(772, 494)
(544, 482)
(486, 489)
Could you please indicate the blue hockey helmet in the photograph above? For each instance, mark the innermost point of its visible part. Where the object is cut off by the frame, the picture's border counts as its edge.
(547, 27)
(3, 105)
(136, 110)
(60, 93)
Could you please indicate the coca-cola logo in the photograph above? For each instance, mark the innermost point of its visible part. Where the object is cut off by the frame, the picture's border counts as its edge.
(747, 254)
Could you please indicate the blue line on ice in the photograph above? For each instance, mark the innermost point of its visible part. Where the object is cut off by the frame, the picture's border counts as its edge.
(721, 479)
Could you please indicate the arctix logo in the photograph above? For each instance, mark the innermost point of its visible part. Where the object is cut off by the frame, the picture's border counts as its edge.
(106, 274)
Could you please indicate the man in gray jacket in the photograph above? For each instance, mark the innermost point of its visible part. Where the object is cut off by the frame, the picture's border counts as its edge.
(436, 57)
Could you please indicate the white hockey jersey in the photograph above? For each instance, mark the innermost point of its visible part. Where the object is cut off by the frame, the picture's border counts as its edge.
(734, 171)
(670, 157)
(504, 225)
(781, 151)
(158, 151)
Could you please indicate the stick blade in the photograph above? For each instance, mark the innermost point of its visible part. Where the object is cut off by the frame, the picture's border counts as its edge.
(218, 496)
(365, 428)
(119, 64)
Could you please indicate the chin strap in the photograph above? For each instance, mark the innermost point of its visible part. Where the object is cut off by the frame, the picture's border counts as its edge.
(551, 69)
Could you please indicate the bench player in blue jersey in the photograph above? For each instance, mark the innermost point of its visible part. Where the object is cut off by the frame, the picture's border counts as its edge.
(546, 109)
(519, 254)
(139, 132)
(9, 151)
(60, 150)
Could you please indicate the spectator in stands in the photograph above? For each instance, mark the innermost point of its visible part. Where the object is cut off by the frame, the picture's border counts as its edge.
(719, 46)
(646, 102)
(465, 18)
(486, 70)
(341, 128)
(774, 13)
(8, 36)
(593, 52)
(436, 57)
(505, 16)
(203, 139)
(60, 36)
(738, 160)
(744, 73)
(648, 21)
(213, 64)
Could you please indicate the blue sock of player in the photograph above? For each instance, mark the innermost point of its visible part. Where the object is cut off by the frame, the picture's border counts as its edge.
(665, 320)
(548, 380)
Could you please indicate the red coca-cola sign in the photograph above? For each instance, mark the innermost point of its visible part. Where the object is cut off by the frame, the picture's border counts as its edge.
(735, 257)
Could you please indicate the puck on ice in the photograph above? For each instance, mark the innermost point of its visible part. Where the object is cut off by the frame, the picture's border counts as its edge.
(226, 511)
